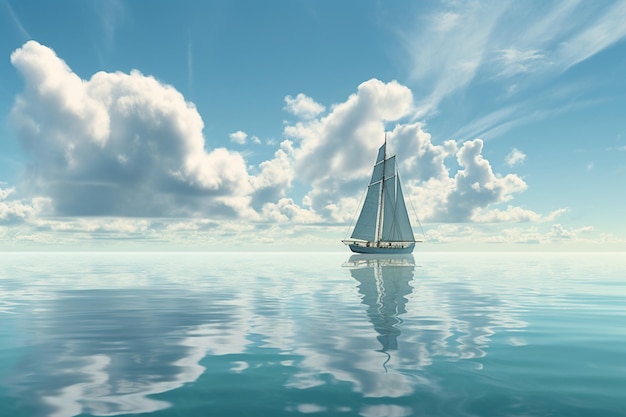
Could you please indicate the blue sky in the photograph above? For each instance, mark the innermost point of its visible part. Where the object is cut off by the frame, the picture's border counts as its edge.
(244, 125)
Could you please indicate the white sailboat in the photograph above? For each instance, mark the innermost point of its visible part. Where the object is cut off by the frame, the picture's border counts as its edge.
(383, 225)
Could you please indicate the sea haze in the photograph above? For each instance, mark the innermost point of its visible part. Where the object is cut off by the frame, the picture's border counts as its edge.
(328, 334)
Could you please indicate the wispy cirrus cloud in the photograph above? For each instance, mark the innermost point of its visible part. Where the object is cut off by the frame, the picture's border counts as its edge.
(515, 46)
(603, 30)
(189, 61)
(111, 12)
(449, 48)
(18, 23)
(514, 61)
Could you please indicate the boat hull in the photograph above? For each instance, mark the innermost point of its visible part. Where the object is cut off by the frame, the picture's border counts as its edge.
(381, 250)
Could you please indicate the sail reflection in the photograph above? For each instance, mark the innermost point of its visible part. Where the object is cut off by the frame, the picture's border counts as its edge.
(384, 287)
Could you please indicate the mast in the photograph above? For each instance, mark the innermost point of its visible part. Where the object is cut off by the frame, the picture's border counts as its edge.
(381, 205)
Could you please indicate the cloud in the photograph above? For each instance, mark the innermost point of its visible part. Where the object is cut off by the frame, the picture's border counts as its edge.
(6, 192)
(514, 62)
(18, 23)
(335, 152)
(476, 186)
(467, 236)
(449, 47)
(238, 137)
(287, 211)
(127, 145)
(274, 178)
(600, 32)
(189, 60)
(12, 212)
(121, 144)
(512, 214)
(510, 46)
(303, 106)
(515, 157)
(110, 13)
(16, 211)
(560, 232)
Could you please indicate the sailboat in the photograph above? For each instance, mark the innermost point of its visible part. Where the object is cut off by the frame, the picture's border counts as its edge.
(383, 225)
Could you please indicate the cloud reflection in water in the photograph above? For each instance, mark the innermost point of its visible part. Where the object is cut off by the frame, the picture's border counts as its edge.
(110, 336)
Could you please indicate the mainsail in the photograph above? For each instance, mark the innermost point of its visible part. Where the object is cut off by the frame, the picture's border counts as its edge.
(384, 217)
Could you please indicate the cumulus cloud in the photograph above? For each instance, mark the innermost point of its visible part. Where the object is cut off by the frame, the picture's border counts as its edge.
(6, 192)
(14, 211)
(469, 194)
(476, 185)
(515, 157)
(562, 233)
(303, 106)
(287, 210)
(335, 152)
(121, 144)
(129, 145)
(274, 178)
(238, 137)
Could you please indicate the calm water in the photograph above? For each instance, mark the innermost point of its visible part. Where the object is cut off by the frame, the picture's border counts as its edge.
(321, 334)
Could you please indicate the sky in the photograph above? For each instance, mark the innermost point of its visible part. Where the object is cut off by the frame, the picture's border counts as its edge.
(244, 125)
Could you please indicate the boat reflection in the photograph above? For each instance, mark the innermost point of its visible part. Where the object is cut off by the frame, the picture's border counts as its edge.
(384, 284)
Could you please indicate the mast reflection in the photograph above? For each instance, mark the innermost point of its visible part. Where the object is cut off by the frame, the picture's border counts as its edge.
(384, 287)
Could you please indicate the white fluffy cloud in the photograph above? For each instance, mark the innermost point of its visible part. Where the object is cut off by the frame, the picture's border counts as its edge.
(515, 157)
(128, 145)
(6, 192)
(238, 137)
(274, 178)
(14, 211)
(335, 154)
(476, 185)
(121, 144)
(303, 106)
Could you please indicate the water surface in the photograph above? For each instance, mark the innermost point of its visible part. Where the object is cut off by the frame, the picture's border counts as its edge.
(436, 334)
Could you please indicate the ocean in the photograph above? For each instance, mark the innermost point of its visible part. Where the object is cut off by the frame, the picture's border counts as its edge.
(321, 334)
